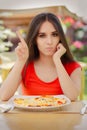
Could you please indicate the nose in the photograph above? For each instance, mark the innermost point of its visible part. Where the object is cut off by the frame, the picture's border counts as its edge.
(49, 40)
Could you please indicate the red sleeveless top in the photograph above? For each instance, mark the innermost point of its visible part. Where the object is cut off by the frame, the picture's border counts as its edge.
(34, 86)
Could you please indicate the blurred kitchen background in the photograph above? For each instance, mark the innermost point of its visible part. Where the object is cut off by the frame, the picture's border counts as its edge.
(16, 15)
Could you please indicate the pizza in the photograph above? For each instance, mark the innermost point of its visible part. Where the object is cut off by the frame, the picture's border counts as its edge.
(40, 101)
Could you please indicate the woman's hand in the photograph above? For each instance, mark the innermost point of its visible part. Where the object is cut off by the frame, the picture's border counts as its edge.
(21, 50)
(60, 51)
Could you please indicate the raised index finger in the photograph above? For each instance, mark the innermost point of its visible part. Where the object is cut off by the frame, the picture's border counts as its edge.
(21, 38)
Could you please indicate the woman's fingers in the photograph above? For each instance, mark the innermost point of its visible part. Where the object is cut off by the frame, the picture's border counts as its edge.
(21, 39)
(22, 44)
(22, 49)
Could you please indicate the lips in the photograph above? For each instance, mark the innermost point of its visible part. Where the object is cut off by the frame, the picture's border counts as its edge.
(49, 48)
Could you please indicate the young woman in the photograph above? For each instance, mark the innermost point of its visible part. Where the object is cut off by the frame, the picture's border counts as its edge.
(44, 65)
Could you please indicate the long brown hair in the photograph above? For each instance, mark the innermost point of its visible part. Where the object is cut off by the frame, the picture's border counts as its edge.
(33, 32)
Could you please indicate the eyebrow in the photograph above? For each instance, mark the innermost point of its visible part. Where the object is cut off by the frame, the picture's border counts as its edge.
(51, 32)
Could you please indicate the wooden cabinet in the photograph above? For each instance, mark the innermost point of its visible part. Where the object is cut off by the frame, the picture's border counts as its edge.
(23, 17)
(16, 20)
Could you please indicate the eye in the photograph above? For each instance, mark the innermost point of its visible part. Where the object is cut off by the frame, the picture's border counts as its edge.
(55, 34)
(41, 35)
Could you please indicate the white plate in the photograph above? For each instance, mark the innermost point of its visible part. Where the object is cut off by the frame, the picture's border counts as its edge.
(47, 108)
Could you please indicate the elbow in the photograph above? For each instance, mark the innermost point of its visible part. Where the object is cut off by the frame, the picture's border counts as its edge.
(4, 97)
(73, 96)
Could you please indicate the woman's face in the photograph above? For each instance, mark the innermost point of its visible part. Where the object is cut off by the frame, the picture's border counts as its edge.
(47, 39)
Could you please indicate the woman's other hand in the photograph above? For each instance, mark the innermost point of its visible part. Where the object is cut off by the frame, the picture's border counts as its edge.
(60, 51)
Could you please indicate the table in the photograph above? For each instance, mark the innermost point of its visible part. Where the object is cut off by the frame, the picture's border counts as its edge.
(67, 118)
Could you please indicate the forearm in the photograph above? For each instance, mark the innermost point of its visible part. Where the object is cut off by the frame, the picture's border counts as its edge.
(68, 86)
(12, 81)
